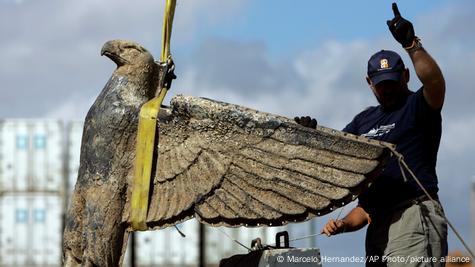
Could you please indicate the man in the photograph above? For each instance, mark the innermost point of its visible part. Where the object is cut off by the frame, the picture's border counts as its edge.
(405, 227)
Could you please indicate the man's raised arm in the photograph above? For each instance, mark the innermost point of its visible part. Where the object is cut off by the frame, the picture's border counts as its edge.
(426, 68)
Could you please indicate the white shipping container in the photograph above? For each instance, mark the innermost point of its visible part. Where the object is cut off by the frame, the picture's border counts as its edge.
(74, 151)
(30, 229)
(167, 247)
(31, 155)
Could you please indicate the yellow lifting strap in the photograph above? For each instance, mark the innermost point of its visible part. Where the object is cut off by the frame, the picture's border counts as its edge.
(146, 135)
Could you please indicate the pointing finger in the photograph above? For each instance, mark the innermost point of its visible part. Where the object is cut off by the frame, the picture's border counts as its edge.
(396, 10)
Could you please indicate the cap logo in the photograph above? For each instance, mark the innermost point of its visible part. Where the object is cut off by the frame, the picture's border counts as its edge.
(384, 64)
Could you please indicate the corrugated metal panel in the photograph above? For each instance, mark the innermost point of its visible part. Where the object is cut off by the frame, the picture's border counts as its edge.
(74, 152)
(30, 229)
(31, 155)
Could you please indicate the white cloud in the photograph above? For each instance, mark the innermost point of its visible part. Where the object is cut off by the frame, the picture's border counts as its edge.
(50, 49)
(460, 135)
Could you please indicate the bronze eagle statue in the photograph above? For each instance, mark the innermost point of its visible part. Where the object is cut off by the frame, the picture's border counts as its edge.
(224, 164)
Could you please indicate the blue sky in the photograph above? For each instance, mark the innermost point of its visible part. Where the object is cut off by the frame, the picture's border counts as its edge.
(287, 26)
(286, 57)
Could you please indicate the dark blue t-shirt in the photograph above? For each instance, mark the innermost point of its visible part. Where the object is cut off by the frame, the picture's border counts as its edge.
(415, 128)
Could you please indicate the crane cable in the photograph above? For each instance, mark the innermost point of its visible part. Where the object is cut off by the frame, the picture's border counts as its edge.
(146, 133)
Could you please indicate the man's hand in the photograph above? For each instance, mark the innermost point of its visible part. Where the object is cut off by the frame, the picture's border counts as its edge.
(356, 219)
(333, 227)
(402, 29)
(306, 121)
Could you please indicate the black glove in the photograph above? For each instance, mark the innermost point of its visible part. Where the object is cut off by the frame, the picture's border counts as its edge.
(402, 29)
(306, 121)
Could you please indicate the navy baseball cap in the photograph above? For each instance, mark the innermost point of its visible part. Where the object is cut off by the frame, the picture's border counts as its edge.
(385, 65)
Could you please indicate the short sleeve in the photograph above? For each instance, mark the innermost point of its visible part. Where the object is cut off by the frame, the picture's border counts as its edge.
(363, 202)
(351, 127)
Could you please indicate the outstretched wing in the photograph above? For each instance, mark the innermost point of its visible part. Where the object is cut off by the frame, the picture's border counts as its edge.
(229, 165)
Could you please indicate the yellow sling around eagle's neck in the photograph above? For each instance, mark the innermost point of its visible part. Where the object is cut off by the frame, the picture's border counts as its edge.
(146, 135)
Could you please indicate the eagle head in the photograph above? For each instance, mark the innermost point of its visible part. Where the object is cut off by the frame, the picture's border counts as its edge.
(124, 52)
(135, 65)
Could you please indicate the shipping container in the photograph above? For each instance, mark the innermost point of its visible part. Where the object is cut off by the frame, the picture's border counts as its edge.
(30, 229)
(31, 156)
(39, 160)
(167, 247)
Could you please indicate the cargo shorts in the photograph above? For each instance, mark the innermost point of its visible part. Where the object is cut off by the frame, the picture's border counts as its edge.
(412, 236)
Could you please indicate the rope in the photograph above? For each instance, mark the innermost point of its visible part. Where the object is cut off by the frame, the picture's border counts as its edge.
(300, 238)
(402, 164)
(304, 237)
(339, 214)
(179, 231)
(312, 235)
(239, 243)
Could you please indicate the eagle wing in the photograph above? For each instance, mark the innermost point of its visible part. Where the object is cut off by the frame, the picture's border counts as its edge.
(230, 165)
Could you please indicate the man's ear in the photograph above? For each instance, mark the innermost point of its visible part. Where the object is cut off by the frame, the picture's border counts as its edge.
(370, 83)
(368, 80)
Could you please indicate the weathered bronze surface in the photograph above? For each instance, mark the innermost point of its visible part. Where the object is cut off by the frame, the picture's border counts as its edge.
(230, 165)
(223, 163)
(94, 232)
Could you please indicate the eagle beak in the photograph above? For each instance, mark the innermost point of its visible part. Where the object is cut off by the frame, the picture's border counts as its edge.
(109, 48)
(112, 50)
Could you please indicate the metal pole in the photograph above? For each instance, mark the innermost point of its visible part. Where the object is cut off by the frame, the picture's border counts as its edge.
(66, 195)
(202, 245)
(312, 231)
(132, 249)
